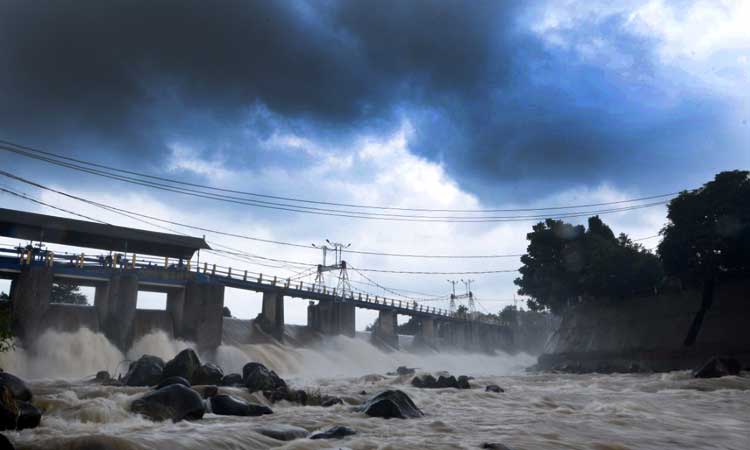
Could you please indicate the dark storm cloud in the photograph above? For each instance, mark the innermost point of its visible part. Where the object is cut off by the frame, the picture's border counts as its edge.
(487, 97)
(118, 70)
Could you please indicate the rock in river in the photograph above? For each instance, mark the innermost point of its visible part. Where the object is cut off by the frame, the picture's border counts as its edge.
(173, 380)
(493, 388)
(718, 367)
(429, 382)
(232, 379)
(183, 365)
(208, 374)
(226, 405)
(335, 432)
(175, 402)
(391, 403)
(17, 387)
(282, 432)
(29, 416)
(258, 377)
(145, 371)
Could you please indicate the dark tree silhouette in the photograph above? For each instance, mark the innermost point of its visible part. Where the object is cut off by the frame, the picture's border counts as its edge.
(707, 238)
(567, 264)
(67, 292)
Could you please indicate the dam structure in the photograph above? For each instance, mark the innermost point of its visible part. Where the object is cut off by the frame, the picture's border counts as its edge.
(141, 260)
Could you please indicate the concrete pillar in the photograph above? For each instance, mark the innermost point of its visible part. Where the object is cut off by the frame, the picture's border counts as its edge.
(30, 294)
(117, 313)
(272, 315)
(427, 331)
(347, 319)
(332, 318)
(176, 309)
(101, 302)
(202, 315)
(385, 331)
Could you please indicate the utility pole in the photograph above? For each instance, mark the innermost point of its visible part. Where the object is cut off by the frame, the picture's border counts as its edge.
(470, 295)
(452, 307)
(343, 286)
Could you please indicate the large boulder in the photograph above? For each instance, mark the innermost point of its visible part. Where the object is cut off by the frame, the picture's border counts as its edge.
(208, 374)
(226, 405)
(258, 377)
(183, 365)
(17, 387)
(175, 402)
(5, 444)
(232, 379)
(29, 416)
(145, 371)
(282, 432)
(172, 380)
(718, 367)
(335, 432)
(391, 403)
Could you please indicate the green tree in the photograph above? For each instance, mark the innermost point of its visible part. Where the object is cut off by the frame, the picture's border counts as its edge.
(6, 332)
(707, 237)
(411, 327)
(509, 315)
(567, 264)
(67, 292)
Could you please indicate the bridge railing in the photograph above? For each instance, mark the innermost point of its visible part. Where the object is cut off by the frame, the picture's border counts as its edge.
(28, 255)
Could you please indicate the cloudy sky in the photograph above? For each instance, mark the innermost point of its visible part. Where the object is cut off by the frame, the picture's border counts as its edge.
(409, 104)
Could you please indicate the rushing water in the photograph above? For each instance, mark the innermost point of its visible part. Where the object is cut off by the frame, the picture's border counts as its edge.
(537, 411)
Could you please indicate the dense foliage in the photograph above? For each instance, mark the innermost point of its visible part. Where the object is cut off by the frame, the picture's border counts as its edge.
(6, 331)
(708, 233)
(66, 292)
(567, 264)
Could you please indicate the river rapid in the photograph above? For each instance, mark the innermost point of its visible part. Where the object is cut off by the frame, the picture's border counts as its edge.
(537, 411)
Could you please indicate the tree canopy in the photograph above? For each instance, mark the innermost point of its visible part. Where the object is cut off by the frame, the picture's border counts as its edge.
(708, 233)
(66, 292)
(567, 264)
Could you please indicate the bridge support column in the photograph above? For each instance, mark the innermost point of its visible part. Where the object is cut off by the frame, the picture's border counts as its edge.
(202, 314)
(426, 334)
(385, 333)
(30, 294)
(116, 306)
(332, 318)
(176, 309)
(272, 316)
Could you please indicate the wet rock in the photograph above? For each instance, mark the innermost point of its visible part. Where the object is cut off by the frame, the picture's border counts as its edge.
(362, 392)
(145, 371)
(232, 379)
(718, 367)
(403, 370)
(17, 386)
(5, 444)
(493, 388)
(391, 403)
(29, 416)
(282, 432)
(226, 405)
(208, 374)
(257, 377)
(8, 409)
(425, 381)
(183, 365)
(327, 401)
(175, 402)
(103, 377)
(206, 391)
(173, 380)
(443, 381)
(494, 446)
(335, 432)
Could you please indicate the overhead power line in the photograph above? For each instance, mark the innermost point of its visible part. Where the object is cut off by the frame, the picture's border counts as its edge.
(157, 182)
(298, 263)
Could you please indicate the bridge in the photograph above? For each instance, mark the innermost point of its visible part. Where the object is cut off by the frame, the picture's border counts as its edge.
(160, 262)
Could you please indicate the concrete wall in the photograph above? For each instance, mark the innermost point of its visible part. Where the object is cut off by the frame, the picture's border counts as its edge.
(650, 332)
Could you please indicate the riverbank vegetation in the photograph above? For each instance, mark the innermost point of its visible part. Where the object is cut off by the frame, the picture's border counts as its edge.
(706, 239)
